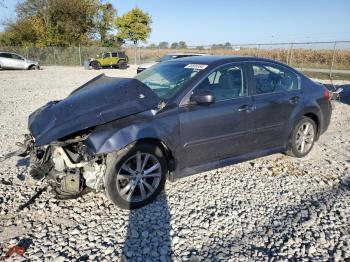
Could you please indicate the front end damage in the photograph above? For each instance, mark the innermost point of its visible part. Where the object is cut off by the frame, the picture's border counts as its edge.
(68, 166)
(56, 145)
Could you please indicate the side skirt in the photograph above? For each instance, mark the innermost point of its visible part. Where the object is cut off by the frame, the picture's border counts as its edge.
(188, 171)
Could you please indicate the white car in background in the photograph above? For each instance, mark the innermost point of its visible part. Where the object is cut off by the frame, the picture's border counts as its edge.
(10, 60)
(166, 58)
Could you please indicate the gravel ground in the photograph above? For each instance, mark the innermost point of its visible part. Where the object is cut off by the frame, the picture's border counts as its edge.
(274, 208)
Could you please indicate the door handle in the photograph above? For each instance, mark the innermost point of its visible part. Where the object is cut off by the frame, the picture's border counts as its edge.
(246, 108)
(294, 100)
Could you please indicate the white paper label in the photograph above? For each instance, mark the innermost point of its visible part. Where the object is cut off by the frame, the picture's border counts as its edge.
(196, 66)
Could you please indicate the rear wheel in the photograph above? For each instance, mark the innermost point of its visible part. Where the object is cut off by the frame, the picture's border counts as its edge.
(303, 137)
(122, 65)
(95, 65)
(135, 176)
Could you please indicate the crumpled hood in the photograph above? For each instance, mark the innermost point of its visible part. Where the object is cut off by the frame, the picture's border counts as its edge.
(101, 100)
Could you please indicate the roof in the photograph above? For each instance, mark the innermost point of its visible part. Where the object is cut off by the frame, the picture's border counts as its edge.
(221, 59)
(189, 54)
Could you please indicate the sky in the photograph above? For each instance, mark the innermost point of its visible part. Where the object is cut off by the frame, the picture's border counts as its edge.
(204, 22)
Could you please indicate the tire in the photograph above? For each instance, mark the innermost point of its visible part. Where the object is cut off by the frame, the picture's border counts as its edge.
(119, 181)
(299, 137)
(96, 65)
(122, 65)
(32, 67)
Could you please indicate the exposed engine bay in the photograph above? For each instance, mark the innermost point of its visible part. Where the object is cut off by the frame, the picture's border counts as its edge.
(69, 139)
(68, 167)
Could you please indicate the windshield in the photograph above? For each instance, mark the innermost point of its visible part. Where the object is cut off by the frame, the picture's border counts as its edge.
(166, 79)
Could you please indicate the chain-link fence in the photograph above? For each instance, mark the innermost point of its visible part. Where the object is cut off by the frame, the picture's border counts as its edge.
(321, 57)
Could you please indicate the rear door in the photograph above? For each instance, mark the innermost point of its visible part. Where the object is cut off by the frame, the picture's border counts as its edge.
(7, 60)
(107, 59)
(224, 128)
(115, 58)
(276, 95)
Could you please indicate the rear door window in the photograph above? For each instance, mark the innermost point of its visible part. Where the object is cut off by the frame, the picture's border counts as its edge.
(106, 55)
(6, 55)
(114, 54)
(268, 78)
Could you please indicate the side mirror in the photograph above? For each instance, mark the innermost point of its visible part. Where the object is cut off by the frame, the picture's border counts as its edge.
(202, 97)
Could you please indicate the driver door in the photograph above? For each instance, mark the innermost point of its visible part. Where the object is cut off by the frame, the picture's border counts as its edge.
(222, 129)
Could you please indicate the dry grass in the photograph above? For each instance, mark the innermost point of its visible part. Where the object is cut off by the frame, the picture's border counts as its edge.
(298, 57)
(311, 58)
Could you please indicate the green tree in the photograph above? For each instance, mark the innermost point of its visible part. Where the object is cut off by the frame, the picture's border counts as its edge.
(174, 45)
(20, 33)
(53, 22)
(104, 22)
(217, 46)
(113, 41)
(200, 47)
(152, 46)
(227, 45)
(134, 26)
(182, 45)
(163, 45)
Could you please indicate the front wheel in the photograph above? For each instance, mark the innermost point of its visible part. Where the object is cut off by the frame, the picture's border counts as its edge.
(135, 176)
(33, 67)
(303, 137)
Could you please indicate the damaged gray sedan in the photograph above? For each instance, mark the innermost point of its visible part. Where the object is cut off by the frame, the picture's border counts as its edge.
(125, 137)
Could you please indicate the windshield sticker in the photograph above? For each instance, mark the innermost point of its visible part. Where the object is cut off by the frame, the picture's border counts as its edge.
(196, 66)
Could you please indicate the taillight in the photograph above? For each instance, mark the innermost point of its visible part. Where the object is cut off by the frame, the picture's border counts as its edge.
(326, 94)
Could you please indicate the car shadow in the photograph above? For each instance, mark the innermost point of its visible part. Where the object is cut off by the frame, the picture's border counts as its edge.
(148, 233)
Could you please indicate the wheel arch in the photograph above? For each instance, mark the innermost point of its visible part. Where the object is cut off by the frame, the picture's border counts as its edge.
(311, 111)
(164, 147)
(103, 143)
(30, 66)
(316, 119)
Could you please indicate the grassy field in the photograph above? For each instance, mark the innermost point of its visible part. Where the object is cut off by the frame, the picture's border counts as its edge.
(325, 76)
(298, 57)
(301, 58)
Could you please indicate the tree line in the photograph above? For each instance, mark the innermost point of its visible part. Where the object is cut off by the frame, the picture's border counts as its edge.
(183, 45)
(45, 23)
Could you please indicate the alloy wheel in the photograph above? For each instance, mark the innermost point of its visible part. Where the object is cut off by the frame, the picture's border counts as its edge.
(305, 137)
(139, 177)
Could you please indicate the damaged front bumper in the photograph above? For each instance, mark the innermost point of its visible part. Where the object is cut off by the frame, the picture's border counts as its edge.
(68, 166)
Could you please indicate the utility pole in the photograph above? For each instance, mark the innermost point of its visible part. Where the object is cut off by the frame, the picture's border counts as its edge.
(333, 59)
(79, 49)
